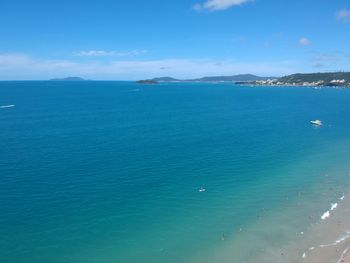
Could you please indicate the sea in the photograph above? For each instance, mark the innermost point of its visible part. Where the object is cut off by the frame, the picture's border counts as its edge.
(120, 172)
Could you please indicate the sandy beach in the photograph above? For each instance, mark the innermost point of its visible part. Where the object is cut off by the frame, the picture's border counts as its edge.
(328, 240)
(345, 258)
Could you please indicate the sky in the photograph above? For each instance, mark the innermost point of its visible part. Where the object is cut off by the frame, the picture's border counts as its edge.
(136, 39)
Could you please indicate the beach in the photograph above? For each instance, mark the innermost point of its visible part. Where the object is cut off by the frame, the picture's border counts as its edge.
(335, 235)
(326, 241)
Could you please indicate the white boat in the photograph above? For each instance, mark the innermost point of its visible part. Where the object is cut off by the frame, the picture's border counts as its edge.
(201, 190)
(316, 122)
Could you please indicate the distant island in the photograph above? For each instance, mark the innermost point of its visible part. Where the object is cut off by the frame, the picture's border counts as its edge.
(68, 79)
(233, 78)
(331, 79)
(147, 81)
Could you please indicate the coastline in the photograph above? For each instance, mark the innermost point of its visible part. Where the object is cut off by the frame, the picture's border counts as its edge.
(295, 86)
(311, 226)
(325, 79)
(329, 241)
(248, 84)
(345, 257)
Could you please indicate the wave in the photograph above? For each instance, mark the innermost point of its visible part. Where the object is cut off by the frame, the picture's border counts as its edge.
(325, 215)
(338, 241)
(334, 206)
(335, 243)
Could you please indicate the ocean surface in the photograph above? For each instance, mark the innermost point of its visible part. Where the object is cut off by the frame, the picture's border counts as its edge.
(111, 172)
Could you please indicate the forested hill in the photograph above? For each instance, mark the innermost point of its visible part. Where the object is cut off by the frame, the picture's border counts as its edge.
(325, 78)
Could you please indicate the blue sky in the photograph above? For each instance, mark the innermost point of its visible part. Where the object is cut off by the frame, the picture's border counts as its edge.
(114, 39)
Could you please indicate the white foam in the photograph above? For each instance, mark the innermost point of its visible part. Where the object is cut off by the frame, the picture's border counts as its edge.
(343, 254)
(338, 241)
(304, 255)
(342, 197)
(311, 248)
(7, 106)
(325, 215)
(334, 206)
(341, 239)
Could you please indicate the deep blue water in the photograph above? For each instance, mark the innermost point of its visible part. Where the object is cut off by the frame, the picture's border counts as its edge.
(110, 171)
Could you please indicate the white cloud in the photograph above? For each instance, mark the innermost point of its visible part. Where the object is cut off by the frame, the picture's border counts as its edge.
(304, 41)
(197, 7)
(343, 15)
(14, 66)
(104, 53)
(215, 5)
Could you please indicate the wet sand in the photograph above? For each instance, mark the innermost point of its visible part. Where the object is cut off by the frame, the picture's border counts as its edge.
(346, 258)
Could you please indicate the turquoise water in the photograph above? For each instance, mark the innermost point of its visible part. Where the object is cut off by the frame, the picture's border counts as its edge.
(111, 171)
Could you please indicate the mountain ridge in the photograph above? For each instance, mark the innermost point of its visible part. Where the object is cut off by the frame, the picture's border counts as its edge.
(304, 79)
(231, 78)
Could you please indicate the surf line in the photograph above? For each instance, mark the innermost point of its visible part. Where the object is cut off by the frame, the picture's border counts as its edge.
(338, 241)
(342, 257)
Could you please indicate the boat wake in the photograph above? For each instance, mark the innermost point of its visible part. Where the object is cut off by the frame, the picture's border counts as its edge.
(6, 106)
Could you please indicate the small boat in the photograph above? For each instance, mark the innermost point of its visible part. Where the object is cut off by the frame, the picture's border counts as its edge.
(316, 122)
(201, 189)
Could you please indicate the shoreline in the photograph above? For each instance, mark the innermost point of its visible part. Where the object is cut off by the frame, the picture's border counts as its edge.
(327, 241)
(345, 257)
(247, 84)
(295, 86)
(328, 238)
(314, 229)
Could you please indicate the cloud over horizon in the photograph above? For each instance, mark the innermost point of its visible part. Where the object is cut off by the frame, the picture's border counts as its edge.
(216, 5)
(332, 60)
(112, 53)
(24, 67)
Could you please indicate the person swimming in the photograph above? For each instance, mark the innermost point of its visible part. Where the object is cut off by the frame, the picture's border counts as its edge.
(223, 236)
